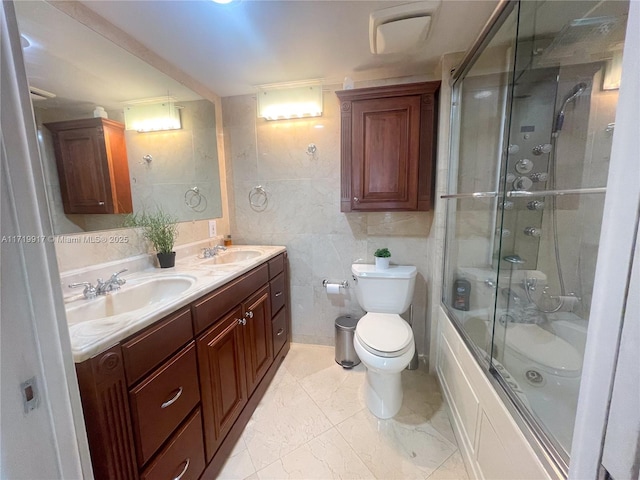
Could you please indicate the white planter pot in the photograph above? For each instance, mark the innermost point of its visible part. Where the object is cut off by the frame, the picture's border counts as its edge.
(382, 263)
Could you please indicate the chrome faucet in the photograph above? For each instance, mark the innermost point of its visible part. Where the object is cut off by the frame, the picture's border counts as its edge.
(209, 252)
(114, 283)
(89, 290)
(102, 288)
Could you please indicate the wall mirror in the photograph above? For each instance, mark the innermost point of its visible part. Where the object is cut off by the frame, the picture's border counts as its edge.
(176, 170)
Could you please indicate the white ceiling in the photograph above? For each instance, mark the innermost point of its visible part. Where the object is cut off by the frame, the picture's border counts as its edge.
(235, 47)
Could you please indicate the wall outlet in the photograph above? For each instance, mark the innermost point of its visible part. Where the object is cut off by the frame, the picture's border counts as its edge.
(212, 229)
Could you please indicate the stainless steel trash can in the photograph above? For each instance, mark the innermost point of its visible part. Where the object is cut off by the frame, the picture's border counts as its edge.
(345, 352)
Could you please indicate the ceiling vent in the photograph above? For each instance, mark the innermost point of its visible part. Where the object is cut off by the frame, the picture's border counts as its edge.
(39, 94)
(402, 28)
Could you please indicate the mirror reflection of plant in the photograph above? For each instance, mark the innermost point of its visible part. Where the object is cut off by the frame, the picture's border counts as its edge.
(159, 227)
(382, 253)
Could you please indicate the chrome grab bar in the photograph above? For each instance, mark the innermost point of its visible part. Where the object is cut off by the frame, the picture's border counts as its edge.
(556, 193)
(471, 195)
(526, 193)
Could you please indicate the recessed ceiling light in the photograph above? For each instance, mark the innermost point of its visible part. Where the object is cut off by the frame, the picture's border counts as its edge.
(482, 94)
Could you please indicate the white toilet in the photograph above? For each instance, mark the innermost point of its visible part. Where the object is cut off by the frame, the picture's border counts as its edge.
(383, 340)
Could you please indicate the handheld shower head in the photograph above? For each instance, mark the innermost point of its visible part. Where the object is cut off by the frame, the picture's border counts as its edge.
(575, 92)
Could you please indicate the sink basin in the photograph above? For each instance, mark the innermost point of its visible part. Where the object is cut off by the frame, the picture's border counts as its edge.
(132, 296)
(233, 256)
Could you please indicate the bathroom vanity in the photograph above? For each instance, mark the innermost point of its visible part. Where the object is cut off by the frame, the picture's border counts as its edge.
(171, 398)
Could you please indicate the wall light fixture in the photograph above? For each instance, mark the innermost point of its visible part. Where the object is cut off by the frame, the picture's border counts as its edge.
(152, 115)
(292, 100)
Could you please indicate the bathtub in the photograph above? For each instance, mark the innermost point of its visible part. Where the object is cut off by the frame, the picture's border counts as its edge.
(541, 362)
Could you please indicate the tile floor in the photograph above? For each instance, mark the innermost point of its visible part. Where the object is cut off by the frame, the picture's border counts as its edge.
(313, 424)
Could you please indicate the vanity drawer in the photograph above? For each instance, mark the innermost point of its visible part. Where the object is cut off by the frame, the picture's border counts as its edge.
(278, 293)
(209, 309)
(151, 347)
(279, 330)
(183, 457)
(276, 265)
(162, 401)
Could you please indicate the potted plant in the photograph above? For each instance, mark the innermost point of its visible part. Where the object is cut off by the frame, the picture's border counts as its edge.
(161, 229)
(382, 256)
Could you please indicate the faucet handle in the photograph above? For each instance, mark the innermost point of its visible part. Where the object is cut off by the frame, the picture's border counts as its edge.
(89, 290)
(115, 277)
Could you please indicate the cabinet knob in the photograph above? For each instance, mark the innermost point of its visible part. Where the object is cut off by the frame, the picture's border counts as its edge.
(241, 321)
(249, 314)
(101, 203)
(356, 199)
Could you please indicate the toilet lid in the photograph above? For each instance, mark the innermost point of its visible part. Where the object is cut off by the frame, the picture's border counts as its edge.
(543, 347)
(384, 334)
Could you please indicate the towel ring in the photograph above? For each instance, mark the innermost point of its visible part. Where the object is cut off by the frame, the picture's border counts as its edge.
(258, 199)
(193, 199)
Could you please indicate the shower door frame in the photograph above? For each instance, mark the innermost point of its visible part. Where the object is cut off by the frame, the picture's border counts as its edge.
(586, 451)
(555, 462)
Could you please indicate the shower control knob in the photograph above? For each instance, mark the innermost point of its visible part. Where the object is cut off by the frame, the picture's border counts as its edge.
(535, 205)
(524, 165)
(541, 149)
(522, 183)
(540, 177)
(532, 232)
(514, 148)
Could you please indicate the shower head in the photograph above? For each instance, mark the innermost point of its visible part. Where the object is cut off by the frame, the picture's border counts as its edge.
(575, 92)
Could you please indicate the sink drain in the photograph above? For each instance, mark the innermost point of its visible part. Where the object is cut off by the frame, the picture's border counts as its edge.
(534, 377)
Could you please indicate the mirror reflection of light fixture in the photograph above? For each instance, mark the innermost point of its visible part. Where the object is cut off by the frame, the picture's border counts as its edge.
(292, 100)
(612, 72)
(152, 115)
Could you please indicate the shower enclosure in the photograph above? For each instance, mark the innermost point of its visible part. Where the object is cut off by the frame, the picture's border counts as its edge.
(532, 123)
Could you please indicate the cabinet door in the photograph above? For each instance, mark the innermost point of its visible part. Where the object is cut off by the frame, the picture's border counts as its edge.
(385, 153)
(83, 171)
(258, 337)
(221, 357)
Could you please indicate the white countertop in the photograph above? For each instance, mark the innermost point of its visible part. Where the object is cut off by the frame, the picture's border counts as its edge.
(88, 338)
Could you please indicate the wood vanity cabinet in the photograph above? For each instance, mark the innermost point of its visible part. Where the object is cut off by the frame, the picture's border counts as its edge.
(388, 147)
(173, 399)
(91, 157)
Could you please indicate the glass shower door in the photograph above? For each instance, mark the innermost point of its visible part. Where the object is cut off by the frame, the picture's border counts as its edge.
(533, 121)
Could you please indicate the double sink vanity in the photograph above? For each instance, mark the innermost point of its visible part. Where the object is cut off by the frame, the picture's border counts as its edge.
(172, 364)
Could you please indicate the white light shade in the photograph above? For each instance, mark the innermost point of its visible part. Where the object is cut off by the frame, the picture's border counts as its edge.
(613, 72)
(277, 103)
(152, 117)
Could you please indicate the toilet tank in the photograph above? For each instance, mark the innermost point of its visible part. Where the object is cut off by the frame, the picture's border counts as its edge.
(384, 291)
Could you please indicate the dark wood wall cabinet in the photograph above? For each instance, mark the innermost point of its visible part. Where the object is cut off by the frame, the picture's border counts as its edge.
(91, 157)
(388, 147)
(172, 400)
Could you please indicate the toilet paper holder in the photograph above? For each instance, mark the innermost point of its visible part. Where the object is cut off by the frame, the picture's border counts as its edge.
(344, 284)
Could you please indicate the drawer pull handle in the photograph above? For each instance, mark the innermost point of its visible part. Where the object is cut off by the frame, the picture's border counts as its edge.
(249, 314)
(278, 294)
(173, 399)
(184, 470)
(280, 332)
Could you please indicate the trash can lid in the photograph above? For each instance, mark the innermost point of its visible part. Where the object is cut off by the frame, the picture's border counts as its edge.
(346, 322)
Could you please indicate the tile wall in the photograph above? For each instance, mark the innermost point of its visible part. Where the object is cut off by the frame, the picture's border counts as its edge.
(303, 213)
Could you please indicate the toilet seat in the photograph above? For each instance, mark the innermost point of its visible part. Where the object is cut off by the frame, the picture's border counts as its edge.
(384, 334)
